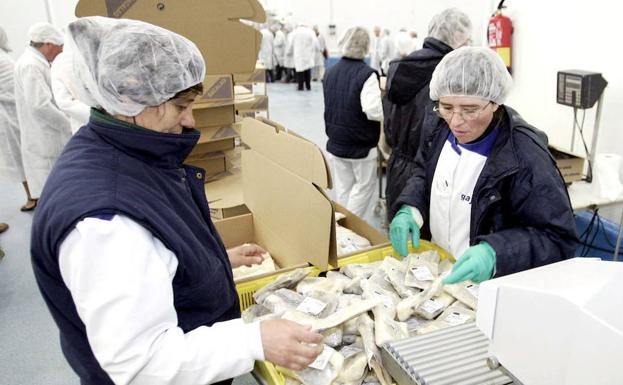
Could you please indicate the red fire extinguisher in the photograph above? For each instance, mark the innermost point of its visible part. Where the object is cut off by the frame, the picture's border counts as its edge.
(499, 36)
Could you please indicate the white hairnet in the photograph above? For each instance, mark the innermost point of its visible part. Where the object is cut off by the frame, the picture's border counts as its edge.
(355, 43)
(45, 33)
(126, 65)
(4, 41)
(452, 26)
(471, 71)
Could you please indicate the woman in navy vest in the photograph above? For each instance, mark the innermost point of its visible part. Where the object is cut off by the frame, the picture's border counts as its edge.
(485, 186)
(123, 248)
(352, 112)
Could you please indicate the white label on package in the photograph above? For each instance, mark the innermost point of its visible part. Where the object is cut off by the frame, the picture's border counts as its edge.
(431, 306)
(422, 273)
(456, 318)
(311, 306)
(349, 350)
(474, 289)
(323, 359)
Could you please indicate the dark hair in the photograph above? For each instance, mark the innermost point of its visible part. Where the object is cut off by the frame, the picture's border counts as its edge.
(189, 93)
(36, 45)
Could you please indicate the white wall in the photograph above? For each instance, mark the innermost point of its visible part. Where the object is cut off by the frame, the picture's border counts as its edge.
(16, 16)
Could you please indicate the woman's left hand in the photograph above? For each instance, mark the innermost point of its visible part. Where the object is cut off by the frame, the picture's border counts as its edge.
(245, 255)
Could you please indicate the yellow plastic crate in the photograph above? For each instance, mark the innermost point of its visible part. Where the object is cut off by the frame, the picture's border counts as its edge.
(266, 370)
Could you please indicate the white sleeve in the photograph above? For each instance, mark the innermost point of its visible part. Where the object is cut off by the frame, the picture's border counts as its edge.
(71, 106)
(371, 99)
(120, 278)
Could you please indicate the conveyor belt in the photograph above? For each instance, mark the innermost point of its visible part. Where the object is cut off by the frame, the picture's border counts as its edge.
(452, 356)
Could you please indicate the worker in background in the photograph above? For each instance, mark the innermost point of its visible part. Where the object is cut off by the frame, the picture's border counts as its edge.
(388, 51)
(406, 97)
(65, 93)
(303, 48)
(289, 55)
(321, 54)
(404, 43)
(44, 128)
(376, 49)
(11, 164)
(123, 248)
(485, 187)
(279, 46)
(353, 112)
(416, 43)
(266, 54)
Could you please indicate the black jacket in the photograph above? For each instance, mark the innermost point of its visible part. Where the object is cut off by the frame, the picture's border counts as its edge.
(351, 134)
(520, 205)
(404, 104)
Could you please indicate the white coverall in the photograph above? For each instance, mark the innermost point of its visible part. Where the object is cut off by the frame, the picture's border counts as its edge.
(44, 127)
(321, 46)
(132, 324)
(266, 54)
(376, 53)
(64, 93)
(304, 44)
(288, 59)
(10, 149)
(356, 182)
(279, 46)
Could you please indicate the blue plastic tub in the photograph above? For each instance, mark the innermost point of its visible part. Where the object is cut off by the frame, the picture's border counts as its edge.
(601, 237)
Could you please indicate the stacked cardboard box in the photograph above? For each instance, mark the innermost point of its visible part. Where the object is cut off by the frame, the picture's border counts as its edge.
(250, 93)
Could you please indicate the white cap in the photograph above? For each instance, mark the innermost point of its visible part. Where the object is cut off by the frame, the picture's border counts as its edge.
(45, 33)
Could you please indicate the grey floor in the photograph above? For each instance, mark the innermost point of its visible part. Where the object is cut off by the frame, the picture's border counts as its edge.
(29, 348)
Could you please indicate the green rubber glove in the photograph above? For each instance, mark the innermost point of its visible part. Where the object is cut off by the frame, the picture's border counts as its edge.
(399, 229)
(476, 265)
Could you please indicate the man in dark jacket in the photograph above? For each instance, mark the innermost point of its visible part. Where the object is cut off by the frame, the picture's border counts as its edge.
(353, 111)
(406, 98)
(484, 184)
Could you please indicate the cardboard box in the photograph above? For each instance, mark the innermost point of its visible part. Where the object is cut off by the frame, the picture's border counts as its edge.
(218, 90)
(227, 45)
(571, 165)
(215, 139)
(283, 182)
(212, 163)
(256, 103)
(208, 116)
(257, 76)
(225, 196)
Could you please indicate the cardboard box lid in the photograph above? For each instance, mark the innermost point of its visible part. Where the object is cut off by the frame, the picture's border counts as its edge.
(227, 45)
(563, 151)
(211, 134)
(225, 192)
(283, 178)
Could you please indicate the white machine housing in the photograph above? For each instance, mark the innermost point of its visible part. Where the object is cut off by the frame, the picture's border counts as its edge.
(558, 324)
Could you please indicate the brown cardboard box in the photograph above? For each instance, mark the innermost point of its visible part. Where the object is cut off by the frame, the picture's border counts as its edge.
(212, 163)
(218, 90)
(215, 139)
(257, 76)
(225, 196)
(207, 116)
(257, 103)
(571, 166)
(283, 177)
(227, 45)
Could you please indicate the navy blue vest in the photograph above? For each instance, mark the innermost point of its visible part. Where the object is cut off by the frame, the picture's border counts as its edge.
(351, 134)
(108, 168)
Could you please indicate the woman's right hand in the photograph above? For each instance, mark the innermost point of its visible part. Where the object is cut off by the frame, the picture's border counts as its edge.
(289, 344)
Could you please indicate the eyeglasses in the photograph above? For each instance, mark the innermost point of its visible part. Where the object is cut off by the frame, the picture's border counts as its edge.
(467, 114)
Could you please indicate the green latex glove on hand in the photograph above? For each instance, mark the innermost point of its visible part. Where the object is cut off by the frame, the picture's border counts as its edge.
(476, 265)
(399, 229)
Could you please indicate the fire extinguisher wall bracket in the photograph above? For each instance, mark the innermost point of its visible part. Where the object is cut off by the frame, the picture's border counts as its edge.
(500, 31)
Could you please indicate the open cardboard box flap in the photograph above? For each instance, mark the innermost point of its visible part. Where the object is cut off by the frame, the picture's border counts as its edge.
(283, 176)
(227, 45)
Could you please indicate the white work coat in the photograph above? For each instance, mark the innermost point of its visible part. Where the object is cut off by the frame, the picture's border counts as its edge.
(288, 59)
(10, 149)
(376, 53)
(304, 44)
(321, 46)
(44, 127)
(279, 47)
(266, 54)
(65, 93)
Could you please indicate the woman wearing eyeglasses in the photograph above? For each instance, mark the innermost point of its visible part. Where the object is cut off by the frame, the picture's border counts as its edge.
(485, 187)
